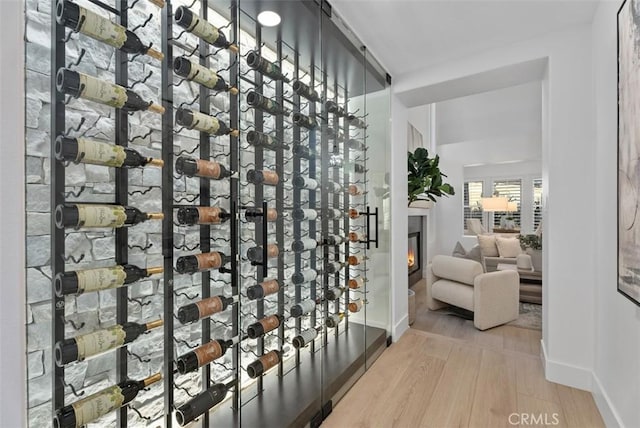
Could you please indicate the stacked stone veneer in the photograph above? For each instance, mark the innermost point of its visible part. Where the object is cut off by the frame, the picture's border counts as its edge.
(97, 248)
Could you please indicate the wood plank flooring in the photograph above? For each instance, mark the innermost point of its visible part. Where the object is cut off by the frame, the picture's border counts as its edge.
(446, 373)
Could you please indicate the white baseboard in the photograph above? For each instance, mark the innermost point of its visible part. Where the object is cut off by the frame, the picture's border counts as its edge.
(581, 378)
(566, 374)
(608, 412)
(400, 328)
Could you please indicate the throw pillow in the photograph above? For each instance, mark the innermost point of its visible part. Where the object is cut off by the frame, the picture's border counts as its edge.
(488, 246)
(474, 253)
(508, 247)
(459, 251)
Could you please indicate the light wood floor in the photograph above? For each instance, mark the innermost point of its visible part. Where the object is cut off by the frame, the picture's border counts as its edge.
(456, 376)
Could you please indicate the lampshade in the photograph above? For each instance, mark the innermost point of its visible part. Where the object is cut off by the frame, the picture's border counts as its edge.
(494, 204)
(512, 206)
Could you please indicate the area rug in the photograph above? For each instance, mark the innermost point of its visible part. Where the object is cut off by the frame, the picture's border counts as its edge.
(530, 316)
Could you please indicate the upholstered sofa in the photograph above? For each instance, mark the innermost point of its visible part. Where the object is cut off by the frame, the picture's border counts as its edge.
(492, 297)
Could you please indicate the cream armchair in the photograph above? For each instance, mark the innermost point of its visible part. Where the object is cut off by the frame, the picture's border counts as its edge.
(492, 297)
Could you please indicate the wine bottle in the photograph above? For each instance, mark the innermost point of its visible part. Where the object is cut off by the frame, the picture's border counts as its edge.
(334, 187)
(191, 22)
(304, 121)
(202, 402)
(305, 244)
(302, 308)
(87, 345)
(334, 214)
(269, 69)
(300, 214)
(357, 282)
(201, 262)
(259, 139)
(356, 121)
(334, 267)
(303, 152)
(265, 288)
(264, 326)
(255, 253)
(192, 119)
(96, 405)
(203, 355)
(302, 182)
(201, 168)
(304, 338)
(92, 89)
(356, 260)
(356, 167)
(81, 281)
(335, 240)
(307, 275)
(94, 215)
(202, 75)
(355, 190)
(354, 144)
(333, 320)
(305, 91)
(157, 3)
(255, 214)
(264, 176)
(95, 26)
(333, 107)
(203, 308)
(334, 293)
(264, 363)
(268, 105)
(202, 215)
(82, 150)
(356, 305)
(354, 213)
(357, 237)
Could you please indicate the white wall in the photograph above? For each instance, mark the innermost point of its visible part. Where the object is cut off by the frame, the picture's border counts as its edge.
(12, 317)
(568, 153)
(513, 112)
(617, 329)
(399, 270)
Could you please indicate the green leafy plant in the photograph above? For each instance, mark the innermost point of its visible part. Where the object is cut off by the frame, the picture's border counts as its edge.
(531, 241)
(425, 177)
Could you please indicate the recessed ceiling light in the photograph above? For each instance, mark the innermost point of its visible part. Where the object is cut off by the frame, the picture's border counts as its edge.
(268, 18)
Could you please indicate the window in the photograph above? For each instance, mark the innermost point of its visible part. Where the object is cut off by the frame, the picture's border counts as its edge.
(511, 190)
(472, 207)
(537, 202)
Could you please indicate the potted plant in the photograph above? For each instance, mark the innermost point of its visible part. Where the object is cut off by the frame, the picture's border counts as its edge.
(532, 244)
(425, 178)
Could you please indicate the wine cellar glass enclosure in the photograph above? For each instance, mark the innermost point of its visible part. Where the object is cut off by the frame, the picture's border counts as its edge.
(219, 212)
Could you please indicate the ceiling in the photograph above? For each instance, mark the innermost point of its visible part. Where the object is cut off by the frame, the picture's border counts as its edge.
(406, 36)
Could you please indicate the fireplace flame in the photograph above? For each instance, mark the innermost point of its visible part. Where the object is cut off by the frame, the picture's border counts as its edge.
(411, 257)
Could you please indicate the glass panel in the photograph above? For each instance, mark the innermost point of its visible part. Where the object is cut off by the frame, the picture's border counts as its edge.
(378, 141)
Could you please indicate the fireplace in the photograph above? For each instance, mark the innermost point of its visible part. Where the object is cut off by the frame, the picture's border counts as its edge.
(413, 255)
(414, 251)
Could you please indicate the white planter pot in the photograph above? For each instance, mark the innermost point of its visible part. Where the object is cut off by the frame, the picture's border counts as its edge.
(536, 259)
(421, 204)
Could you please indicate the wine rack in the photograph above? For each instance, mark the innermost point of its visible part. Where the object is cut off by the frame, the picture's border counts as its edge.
(318, 150)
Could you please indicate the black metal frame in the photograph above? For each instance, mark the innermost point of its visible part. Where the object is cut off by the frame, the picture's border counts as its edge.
(327, 146)
(167, 209)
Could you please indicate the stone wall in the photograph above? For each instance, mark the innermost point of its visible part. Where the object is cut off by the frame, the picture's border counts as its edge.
(85, 249)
